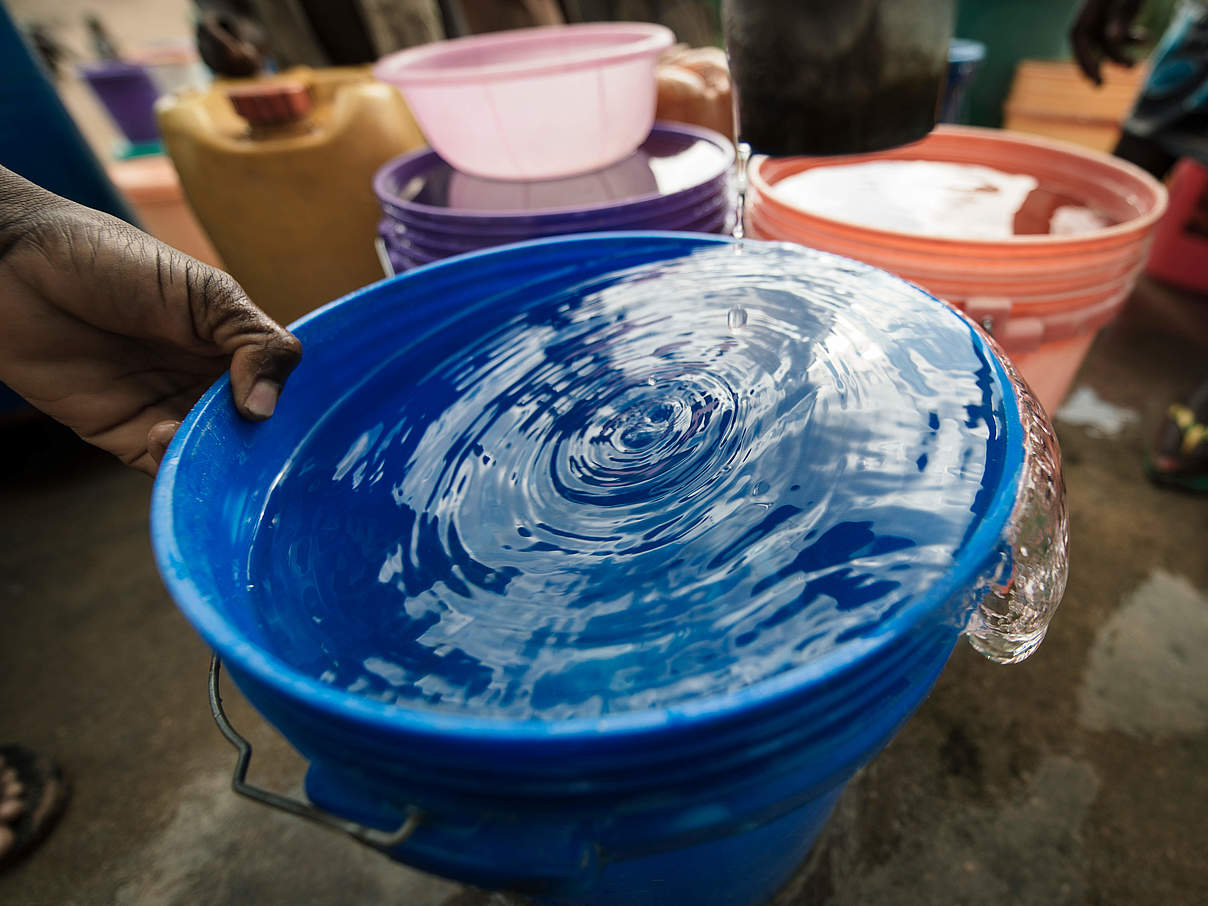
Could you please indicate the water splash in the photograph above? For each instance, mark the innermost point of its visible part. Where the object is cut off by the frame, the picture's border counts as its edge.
(1086, 409)
(742, 165)
(1013, 617)
(611, 497)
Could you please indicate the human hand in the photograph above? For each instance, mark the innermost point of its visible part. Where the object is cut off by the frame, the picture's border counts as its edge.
(117, 335)
(694, 87)
(1104, 28)
(231, 45)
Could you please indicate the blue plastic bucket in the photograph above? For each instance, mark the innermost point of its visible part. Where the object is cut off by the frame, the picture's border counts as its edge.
(710, 800)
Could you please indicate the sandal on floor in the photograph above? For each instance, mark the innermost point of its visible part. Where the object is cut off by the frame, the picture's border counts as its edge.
(45, 796)
(1180, 456)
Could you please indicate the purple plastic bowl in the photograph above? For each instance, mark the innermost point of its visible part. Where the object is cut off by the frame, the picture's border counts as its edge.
(687, 209)
(612, 219)
(128, 94)
(404, 257)
(407, 248)
(463, 237)
(410, 257)
(721, 222)
(466, 232)
(401, 264)
(615, 219)
(704, 218)
(675, 166)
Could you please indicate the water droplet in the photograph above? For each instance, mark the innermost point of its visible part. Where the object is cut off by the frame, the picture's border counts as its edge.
(737, 318)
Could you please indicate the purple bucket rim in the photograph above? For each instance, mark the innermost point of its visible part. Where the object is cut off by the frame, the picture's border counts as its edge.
(413, 258)
(618, 220)
(624, 219)
(582, 221)
(384, 179)
(713, 224)
(108, 69)
(613, 213)
(706, 222)
(465, 240)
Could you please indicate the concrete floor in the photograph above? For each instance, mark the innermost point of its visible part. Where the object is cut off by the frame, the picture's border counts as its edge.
(1078, 777)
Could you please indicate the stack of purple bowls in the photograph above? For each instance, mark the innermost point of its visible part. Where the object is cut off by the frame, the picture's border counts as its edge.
(680, 178)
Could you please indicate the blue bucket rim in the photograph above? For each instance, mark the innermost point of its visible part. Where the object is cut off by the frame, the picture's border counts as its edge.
(246, 658)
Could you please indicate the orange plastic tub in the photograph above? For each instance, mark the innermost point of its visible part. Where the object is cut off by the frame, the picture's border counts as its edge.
(1043, 297)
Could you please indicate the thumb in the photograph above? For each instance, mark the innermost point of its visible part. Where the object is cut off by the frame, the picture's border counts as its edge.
(263, 353)
(259, 370)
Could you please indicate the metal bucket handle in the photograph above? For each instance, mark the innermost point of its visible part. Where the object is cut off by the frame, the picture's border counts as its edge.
(370, 836)
(384, 841)
(389, 841)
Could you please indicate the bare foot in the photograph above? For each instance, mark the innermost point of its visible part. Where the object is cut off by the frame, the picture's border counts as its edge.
(32, 795)
(12, 806)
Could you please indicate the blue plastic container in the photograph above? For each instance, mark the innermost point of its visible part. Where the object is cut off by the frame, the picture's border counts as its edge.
(710, 801)
(41, 142)
(964, 59)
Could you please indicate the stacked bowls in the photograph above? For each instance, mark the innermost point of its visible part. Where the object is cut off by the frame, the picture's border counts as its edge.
(679, 178)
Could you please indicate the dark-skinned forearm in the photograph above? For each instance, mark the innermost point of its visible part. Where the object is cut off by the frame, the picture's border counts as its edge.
(23, 207)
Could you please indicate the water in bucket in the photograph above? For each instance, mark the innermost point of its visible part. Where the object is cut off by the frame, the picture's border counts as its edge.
(669, 484)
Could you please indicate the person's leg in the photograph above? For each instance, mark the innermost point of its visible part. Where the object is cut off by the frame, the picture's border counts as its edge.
(1180, 456)
(32, 795)
(1169, 117)
(12, 804)
(1167, 122)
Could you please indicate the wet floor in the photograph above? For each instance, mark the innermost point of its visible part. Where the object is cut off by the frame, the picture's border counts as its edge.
(1078, 777)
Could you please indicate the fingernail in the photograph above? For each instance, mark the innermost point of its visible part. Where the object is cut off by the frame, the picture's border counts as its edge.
(263, 399)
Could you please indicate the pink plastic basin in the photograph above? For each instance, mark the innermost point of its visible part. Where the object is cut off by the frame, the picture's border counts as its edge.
(534, 103)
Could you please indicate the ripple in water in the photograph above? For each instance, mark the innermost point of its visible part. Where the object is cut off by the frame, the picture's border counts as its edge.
(670, 482)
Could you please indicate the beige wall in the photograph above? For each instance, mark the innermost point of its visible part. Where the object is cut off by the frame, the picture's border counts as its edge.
(133, 24)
